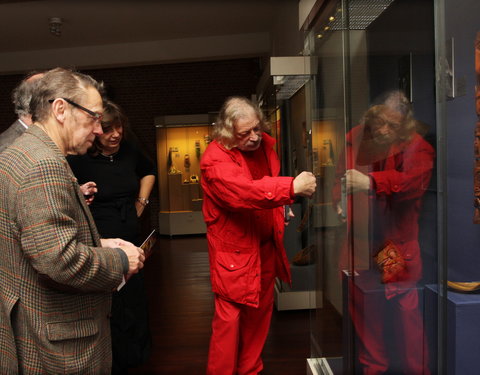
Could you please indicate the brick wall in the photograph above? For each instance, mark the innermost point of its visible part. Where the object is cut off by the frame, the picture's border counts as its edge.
(145, 92)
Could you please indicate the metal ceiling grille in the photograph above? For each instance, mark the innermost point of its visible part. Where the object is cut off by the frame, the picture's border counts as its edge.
(362, 13)
(289, 85)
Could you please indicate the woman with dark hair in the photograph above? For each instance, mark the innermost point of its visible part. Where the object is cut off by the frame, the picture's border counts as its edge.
(124, 178)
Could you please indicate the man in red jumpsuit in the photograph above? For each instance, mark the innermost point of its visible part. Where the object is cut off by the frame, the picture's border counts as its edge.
(243, 208)
(388, 169)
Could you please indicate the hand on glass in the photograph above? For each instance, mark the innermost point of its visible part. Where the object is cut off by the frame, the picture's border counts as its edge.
(356, 181)
(89, 189)
(304, 184)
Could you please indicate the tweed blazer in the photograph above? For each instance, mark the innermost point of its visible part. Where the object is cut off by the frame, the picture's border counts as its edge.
(8, 136)
(55, 279)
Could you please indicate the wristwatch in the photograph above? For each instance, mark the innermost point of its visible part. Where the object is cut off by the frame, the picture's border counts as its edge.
(143, 201)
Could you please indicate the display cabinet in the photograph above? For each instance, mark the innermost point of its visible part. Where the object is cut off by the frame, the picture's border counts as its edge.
(181, 141)
(370, 68)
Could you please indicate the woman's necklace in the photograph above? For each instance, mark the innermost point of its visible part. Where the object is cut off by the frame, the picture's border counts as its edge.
(110, 156)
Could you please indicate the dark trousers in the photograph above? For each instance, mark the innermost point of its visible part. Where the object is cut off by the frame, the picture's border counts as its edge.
(131, 341)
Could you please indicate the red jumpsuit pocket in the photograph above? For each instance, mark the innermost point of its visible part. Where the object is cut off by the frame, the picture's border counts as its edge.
(232, 274)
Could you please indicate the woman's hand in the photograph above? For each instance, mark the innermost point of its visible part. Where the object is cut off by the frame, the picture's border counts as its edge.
(140, 207)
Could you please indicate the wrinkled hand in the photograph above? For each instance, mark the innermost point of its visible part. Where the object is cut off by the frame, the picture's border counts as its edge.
(135, 255)
(340, 213)
(304, 184)
(356, 181)
(289, 214)
(339, 210)
(89, 189)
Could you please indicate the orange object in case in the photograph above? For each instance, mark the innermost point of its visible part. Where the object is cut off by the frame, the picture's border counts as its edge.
(391, 263)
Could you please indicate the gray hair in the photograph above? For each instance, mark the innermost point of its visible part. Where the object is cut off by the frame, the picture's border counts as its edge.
(22, 94)
(397, 101)
(59, 83)
(235, 108)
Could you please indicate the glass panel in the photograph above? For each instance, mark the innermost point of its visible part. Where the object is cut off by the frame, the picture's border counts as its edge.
(328, 140)
(375, 212)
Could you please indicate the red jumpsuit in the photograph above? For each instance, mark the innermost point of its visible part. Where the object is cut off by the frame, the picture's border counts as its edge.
(245, 226)
(399, 177)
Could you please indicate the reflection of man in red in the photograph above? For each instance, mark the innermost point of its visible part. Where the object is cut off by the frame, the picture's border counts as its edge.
(388, 166)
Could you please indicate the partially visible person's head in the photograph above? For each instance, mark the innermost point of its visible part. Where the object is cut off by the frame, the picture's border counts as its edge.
(69, 105)
(114, 126)
(240, 124)
(22, 95)
(391, 119)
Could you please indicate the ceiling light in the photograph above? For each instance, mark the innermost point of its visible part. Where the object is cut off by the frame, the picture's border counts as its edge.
(55, 25)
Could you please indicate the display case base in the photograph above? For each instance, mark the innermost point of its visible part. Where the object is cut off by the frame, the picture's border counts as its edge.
(174, 223)
(462, 330)
(287, 299)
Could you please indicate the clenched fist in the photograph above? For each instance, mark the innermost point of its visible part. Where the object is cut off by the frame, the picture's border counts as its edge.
(305, 184)
(356, 181)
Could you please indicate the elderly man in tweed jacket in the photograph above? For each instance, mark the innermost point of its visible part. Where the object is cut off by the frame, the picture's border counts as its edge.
(56, 274)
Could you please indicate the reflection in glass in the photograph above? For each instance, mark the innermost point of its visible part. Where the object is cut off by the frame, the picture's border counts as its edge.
(388, 166)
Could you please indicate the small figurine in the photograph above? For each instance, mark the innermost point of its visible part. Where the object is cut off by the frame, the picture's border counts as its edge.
(194, 178)
(170, 166)
(197, 149)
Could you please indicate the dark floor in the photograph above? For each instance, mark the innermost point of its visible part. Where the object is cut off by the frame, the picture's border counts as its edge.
(181, 309)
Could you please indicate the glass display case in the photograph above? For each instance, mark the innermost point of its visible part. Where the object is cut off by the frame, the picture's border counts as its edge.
(181, 141)
(281, 97)
(374, 102)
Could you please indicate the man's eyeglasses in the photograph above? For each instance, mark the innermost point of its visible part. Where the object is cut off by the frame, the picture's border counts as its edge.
(96, 116)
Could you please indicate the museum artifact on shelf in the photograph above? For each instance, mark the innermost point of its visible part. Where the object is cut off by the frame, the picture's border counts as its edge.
(181, 141)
